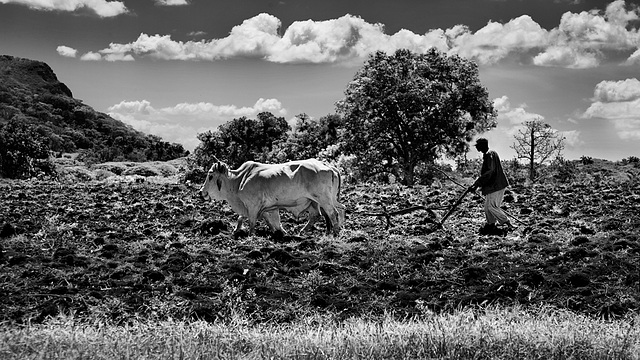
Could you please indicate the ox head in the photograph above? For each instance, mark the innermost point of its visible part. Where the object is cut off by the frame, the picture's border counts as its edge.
(216, 177)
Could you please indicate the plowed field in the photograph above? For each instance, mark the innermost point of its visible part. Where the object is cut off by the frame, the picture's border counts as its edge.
(123, 250)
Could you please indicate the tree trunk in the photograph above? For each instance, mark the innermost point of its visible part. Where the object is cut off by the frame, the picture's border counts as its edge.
(532, 170)
(407, 174)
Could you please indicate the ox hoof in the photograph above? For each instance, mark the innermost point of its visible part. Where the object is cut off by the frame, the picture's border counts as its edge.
(240, 234)
(279, 235)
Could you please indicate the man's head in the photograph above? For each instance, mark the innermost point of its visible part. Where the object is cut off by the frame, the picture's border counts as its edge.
(482, 145)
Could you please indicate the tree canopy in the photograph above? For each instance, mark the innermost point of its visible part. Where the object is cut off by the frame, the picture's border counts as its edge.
(241, 139)
(404, 109)
(309, 138)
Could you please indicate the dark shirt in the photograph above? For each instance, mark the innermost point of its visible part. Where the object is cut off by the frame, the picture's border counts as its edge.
(492, 177)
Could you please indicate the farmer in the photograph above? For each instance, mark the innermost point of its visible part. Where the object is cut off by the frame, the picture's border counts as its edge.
(492, 182)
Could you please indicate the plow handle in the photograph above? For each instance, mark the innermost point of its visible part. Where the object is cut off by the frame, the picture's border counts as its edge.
(455, 205)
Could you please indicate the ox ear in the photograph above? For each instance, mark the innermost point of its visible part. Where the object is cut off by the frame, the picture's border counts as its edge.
(219, 183)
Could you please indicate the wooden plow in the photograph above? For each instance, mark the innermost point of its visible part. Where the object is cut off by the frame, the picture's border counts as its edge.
(387, 215)
(438, 224)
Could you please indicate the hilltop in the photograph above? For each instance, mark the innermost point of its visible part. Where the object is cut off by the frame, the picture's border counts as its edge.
(34, 103)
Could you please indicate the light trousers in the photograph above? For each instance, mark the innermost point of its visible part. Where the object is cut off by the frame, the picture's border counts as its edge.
(492, 210)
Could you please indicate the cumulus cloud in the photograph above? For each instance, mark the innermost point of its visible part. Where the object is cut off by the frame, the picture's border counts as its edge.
(618, 102)
(91, 56)
(102, 8)
(182, 122)
(567, 56)
(509, 116)
(197, 33)
(581, 40)
(616, 91)
(572, 138)
(495, 41)
(172, 2)
(345, 39)
(633, 58)
(67, 51)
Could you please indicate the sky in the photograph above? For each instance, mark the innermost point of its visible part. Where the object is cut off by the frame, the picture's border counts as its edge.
(176, 68)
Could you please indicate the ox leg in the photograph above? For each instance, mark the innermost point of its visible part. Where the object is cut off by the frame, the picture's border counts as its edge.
(313, 211)
(273, 220)
(327, 221)
(238, 224)
(252, 219)
(331, 216)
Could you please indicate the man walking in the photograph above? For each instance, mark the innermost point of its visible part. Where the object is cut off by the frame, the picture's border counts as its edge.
(492, 182)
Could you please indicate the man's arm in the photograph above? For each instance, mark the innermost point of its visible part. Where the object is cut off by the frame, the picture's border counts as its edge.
(489, 160)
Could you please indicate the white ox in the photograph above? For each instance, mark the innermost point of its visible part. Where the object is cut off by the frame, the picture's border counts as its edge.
(255, 189)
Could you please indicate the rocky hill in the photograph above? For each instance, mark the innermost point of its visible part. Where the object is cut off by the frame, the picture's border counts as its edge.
(33, 101)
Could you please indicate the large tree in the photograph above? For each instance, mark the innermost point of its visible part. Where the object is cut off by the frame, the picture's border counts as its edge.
(404, 109)
(241, 139)
(537, 143)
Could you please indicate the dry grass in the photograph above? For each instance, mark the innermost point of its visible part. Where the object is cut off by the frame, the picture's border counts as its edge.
(496, 333)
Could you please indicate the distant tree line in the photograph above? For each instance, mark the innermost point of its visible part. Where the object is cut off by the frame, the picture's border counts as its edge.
(400, 114)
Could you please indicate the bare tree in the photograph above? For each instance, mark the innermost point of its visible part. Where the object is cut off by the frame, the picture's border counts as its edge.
(537, 143)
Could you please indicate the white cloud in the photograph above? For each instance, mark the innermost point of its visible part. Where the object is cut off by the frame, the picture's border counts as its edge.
(619, 103)
(615, 91)
(182, 122)
(102, 8)
(495, 41)
(118, 57)
(509, 116)
(633, 58)
(91, 56)
(197, 33)
(572, 138)
(172, 2)
(67, 51)
(614, 110)
(581, 40)
(566, 56)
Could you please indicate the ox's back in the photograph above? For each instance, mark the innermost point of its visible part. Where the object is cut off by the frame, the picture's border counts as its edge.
(284, 184)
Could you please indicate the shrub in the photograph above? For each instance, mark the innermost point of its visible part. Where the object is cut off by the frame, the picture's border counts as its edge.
(631, 160)
(586, 160)
(23, 152)
(193, 172)
(564, 170)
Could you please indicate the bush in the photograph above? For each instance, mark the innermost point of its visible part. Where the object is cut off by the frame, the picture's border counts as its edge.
(193, 172)
(564, 170)
(23, 152)
(586, 160)
(631, 160)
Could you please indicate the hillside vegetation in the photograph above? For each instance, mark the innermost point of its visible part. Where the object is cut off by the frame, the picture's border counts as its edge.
(36, 107)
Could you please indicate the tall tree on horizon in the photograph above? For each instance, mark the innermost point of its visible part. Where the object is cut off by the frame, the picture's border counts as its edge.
(536, 143)
(406, 109)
